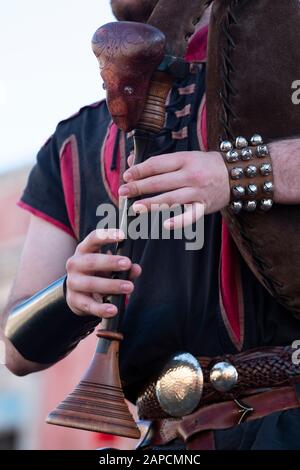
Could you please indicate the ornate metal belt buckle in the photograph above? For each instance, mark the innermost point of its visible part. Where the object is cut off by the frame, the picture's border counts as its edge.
(179, 387)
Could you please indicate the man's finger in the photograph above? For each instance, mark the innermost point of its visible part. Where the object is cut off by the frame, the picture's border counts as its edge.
(135, 272)
(192, 213)
(93, 242)
(154, 166)
(96, 263)
(165, 201)
(86, 305)
(100, 285)
(130, 160)
(153, 184)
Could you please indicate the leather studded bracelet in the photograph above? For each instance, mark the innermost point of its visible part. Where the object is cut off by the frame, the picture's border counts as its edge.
(250, 174)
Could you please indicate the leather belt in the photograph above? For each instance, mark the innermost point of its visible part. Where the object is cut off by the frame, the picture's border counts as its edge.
(258, 370)
(196, 429)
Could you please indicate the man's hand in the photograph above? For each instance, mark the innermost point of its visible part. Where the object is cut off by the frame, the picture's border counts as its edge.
(89, 274)
(179, 178)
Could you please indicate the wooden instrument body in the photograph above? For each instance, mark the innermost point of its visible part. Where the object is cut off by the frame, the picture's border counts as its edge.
(128, 54)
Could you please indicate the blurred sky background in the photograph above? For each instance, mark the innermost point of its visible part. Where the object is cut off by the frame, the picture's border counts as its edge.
(47, 70)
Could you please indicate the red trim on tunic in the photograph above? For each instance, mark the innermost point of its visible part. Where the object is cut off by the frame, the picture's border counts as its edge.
(46, 217)
(231, 293)
(197, 50)
(111, 178)
(70, 176)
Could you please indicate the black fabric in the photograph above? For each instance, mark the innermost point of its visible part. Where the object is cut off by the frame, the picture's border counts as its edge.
(44, 190)
(175, 306)
(278, 431)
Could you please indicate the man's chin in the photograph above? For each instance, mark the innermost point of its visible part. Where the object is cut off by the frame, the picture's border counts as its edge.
(133, 10)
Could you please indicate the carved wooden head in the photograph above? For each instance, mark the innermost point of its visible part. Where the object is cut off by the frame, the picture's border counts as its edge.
(128, 54)
(133, 10)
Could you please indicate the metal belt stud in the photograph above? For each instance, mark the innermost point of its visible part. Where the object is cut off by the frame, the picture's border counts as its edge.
(180, 385)
(223, 376)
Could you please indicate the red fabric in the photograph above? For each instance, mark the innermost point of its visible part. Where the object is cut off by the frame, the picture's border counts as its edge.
(112, 177)
(229, 273)
(46, 217)
(67, 177)
(197, 50)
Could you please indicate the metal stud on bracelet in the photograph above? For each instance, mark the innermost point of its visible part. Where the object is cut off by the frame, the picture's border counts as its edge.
(256, 139)
(262, 151)
(246, 154)
(236, 206)
(232, 156)
(251, 171)
(237, 173)
(252, 190)
(266, 204)
(241, 143)
(268, 187)
(226, 146)
(238, 191)
(250, 206)
(266, 169)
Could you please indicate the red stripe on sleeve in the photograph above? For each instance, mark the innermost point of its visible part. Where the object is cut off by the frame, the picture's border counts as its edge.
(46, 217)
